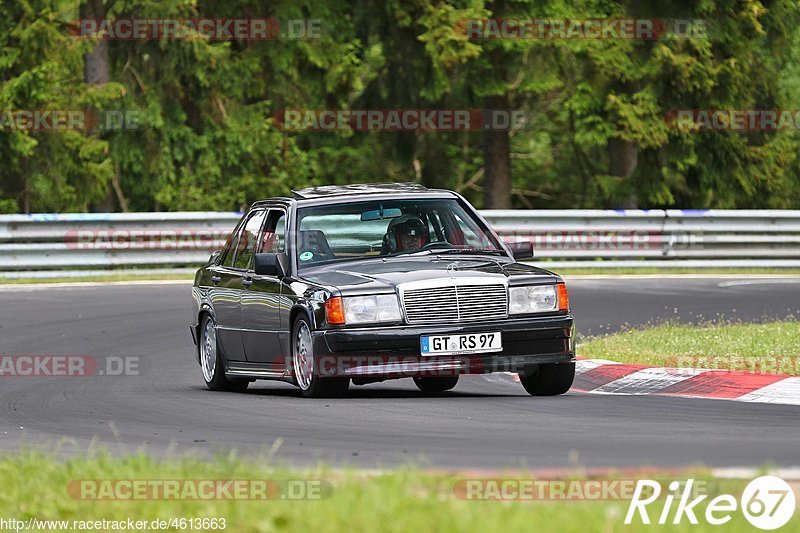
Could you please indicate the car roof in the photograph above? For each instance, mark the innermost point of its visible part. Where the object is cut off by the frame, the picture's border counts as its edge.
(357, 189)
(334, 194)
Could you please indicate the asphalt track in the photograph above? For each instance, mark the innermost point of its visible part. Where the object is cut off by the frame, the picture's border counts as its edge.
(482, 424)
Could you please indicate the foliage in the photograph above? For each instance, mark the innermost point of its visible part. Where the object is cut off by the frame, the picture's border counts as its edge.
(208, 139)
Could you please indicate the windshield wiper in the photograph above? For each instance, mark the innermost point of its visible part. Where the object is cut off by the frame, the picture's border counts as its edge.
(470, 251)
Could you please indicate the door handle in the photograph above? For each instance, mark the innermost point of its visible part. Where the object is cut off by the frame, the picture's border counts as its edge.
(216, 279)
(247, 282)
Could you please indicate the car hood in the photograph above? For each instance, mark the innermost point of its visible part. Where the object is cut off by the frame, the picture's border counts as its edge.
(379, 275)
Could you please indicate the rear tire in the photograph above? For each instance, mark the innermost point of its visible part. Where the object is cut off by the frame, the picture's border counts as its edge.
(549, 380)
(437, 384)
(211, 360)
(305, 369)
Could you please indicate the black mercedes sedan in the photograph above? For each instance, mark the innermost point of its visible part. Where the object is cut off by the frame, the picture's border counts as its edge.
(363, 283)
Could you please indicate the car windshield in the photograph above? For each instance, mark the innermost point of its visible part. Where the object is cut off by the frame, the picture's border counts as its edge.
(389, 228)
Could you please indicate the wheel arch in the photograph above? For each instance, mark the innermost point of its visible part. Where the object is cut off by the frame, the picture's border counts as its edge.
(205, 310)
(296, 310)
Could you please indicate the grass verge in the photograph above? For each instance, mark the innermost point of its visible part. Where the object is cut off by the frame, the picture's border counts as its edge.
(409, 499)
(772, 347)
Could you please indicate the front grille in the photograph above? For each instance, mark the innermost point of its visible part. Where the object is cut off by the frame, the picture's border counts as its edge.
(455, 303)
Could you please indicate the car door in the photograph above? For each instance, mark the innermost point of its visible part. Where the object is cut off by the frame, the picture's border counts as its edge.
(262, 319)
(227, 279)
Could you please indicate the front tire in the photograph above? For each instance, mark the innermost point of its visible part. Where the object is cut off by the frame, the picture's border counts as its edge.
(306, 370)
(549, 380)
(211, 360)
(437, 384)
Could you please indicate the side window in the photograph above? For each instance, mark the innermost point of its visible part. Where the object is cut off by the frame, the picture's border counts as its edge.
(229, 250)
(273, 240)
(248, 239)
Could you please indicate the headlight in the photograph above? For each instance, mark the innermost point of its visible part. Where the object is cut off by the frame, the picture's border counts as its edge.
(536, 299)
(365, 309)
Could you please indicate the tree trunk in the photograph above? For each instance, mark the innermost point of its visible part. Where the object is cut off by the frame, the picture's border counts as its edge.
(26, 196)
(123, 202)
(95, 63)
(623, 158)
(96, 72)
(496, 160)
(436, 170)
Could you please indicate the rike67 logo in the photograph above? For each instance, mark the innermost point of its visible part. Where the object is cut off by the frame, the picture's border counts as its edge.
(768, 502)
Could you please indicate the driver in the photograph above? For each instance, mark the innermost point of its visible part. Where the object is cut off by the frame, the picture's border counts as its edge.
(405, 233)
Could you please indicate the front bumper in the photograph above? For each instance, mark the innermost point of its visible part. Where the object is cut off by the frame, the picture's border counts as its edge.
(394, 351)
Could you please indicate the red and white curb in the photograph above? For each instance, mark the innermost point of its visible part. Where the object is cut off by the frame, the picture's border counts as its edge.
(609, 377)
(598, 376)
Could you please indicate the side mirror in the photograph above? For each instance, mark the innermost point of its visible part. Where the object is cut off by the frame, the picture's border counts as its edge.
(521, 250)
(269, 264)
(214, 259)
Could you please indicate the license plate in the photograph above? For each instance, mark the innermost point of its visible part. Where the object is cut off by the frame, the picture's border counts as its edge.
(461, 344)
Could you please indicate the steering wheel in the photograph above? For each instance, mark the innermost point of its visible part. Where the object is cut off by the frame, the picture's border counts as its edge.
(436, 244)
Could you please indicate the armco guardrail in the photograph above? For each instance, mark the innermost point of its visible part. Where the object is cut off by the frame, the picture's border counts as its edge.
(574, 238)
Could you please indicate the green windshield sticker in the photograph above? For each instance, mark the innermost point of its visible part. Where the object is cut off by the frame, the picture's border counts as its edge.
(305, 256)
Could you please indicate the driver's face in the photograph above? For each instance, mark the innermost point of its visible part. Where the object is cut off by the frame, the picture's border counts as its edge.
(409, 242)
